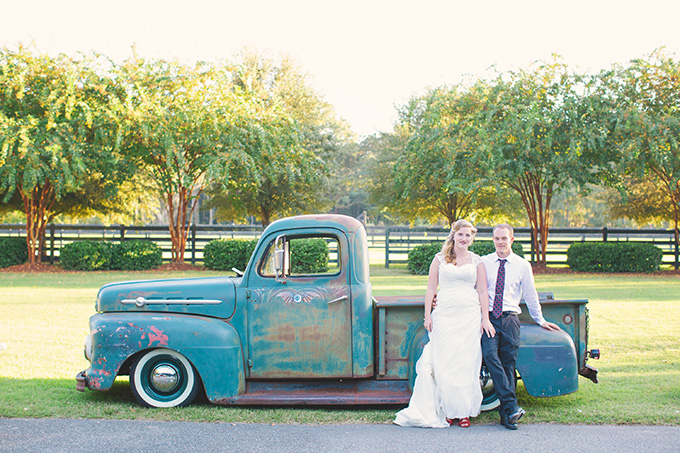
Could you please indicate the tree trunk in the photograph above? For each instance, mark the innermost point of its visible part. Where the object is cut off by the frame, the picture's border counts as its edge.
(37, 207)
(455, 207)
(177, 225)
(537, 206)
(265, 216)
(676, 217)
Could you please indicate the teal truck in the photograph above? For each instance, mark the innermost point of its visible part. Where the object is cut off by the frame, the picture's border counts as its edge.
(279, 333)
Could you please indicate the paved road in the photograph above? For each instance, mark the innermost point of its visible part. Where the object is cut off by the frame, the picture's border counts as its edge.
(44, 435)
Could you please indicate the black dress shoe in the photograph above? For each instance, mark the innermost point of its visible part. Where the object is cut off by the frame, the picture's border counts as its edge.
(507, 424)
(514, 418)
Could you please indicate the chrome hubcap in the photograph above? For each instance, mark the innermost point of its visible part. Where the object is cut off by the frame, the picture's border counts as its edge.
(485, 381)
(165, 378)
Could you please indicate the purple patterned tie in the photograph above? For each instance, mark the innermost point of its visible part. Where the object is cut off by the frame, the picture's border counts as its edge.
(500, 285)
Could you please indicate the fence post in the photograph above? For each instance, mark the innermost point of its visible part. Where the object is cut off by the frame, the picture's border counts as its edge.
(677, 252)
(604, 234)
(532, 248)
(387, 247)
(52, 243)
(193, 243)
(122, 233)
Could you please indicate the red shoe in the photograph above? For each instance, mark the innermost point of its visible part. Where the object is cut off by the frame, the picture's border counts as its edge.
(464, 422)
(450, 421)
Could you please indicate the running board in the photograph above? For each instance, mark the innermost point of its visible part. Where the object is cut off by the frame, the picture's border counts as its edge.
(322, 393)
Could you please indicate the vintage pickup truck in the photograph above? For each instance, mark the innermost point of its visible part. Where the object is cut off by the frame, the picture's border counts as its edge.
(276, 336)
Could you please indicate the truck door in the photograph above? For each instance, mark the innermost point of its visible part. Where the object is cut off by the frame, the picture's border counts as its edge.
(299, 308)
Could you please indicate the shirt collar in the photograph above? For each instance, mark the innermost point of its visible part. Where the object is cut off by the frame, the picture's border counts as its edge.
(510, 258)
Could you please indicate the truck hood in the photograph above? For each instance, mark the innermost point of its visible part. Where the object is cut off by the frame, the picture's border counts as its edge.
(202, 296)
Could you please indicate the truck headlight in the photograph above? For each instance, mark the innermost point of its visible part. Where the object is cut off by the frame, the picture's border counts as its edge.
(87, 350)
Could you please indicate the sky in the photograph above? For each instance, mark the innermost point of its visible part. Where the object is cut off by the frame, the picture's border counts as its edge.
(365, 57)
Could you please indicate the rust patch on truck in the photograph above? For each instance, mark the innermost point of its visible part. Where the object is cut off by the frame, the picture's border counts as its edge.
(158, 336)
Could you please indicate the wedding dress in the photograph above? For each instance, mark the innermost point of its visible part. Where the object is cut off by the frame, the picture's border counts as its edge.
(447, 381)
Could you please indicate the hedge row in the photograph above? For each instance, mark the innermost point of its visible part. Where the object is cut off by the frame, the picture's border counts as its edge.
(13, 251)
(225, 254)
(309, 256)
(134, 255)
(614, 257)
(420, 257)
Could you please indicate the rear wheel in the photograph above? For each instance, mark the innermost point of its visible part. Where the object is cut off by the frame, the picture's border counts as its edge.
(163, 378)
(489, 397)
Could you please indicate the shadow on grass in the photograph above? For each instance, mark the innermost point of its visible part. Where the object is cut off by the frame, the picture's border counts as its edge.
(615, 400)
(58, 398)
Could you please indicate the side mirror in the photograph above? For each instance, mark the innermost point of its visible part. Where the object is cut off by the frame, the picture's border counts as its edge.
(279, 258)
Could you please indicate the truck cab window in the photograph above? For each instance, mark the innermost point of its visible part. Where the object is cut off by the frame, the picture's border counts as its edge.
(306, 255)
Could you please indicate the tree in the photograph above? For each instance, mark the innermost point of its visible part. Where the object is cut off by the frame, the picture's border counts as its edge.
(642, 199)
(541, 130)
(184, 127)
(438, 173)
(293, 152)
(57, 147)
(647, 93)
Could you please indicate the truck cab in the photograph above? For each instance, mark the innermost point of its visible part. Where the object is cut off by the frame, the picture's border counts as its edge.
(291, 330)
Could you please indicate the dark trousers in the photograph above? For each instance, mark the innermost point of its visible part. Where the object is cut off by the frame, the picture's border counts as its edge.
(500, 356)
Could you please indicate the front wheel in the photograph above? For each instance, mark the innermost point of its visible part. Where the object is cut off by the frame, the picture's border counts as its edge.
(163, 378)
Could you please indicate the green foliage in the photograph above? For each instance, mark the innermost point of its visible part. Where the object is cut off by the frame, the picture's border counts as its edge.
(420, 257)
(429, 167)
(57, 138)
(614, 257)
(647, 93)
(137, 255)
(12, 251)
(225, 254)
(309, 256)
(289, 136)
(86, 256)
(482, 248)
(540, 130)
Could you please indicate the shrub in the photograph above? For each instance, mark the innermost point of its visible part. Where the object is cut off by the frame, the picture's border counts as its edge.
(420, 257)
(309, 256)
(86, 256)
(13, 250)
(224, 254)
(136, 255)
(614, 257)
(482, 248)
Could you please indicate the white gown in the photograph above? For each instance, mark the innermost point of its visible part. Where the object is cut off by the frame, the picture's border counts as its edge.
(447, 380)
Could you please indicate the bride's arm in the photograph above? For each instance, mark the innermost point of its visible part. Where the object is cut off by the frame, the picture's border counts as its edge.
(483, 293)
(432, 285)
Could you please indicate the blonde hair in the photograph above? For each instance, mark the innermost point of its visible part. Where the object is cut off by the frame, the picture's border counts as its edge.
(448, 249)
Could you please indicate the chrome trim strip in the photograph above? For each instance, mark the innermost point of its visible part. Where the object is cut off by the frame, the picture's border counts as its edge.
(141, 301)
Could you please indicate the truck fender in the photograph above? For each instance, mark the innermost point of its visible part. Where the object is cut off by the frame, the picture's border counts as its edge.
(211, 345)
(420, 339)
(547, 361)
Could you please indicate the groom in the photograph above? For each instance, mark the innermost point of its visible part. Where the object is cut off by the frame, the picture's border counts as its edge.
(509, 277)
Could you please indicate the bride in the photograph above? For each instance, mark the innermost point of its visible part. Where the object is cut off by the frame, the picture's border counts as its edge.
(447, 386)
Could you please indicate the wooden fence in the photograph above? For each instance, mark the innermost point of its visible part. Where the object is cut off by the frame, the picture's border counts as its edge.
(57, 236)
(400, 240)
(395, 242)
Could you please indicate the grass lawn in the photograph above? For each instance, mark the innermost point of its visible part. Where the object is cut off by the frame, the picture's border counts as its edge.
(634, 320)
